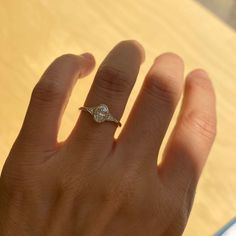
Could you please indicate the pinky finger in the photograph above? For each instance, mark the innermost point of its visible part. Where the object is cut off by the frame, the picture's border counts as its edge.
(191, 140)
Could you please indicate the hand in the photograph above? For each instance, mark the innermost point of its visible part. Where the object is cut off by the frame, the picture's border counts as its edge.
(92, 184)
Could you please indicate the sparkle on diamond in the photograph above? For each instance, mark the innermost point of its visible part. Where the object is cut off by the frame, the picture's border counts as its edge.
(100, 113)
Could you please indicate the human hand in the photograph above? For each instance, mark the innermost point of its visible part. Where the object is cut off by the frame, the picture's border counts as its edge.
(92, 184)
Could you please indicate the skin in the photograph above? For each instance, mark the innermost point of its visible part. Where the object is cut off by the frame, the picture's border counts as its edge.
(93, 184)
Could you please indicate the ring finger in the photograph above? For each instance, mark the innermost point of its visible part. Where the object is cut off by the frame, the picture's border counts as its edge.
(112, 85)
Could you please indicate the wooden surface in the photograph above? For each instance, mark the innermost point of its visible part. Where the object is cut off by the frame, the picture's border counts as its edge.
(33, 33)
(225, 9)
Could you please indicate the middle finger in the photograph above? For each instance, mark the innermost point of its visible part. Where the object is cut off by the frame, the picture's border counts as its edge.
(153, 108)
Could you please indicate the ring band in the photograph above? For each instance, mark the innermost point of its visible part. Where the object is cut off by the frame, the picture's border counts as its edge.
(100, 113)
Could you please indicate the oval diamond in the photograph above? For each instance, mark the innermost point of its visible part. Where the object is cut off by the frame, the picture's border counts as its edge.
(100, 113)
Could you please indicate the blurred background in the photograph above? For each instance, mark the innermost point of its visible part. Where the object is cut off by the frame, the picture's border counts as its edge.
(33, 33)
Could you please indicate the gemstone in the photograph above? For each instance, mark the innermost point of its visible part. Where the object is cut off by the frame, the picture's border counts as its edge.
(100, 113)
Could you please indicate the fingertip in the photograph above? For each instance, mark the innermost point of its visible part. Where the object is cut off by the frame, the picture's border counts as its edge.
(141, 49)
(170, 57)
(88, 56)
(89, 65)
(199, 79)
(200, 103)
(137, 46)
(198, 73)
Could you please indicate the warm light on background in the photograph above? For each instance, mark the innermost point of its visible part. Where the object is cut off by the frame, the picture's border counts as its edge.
(33, 33)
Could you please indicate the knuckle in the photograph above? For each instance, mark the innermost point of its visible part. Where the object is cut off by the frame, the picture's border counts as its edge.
(162, 87)
(121, 193)
(121, 190)
(47, 90)
(126, 188)
(112, 80)
(49, 86)
(203, 124)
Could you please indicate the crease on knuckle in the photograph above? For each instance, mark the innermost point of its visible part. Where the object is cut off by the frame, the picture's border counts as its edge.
(162, 87)
(47, 90)
(112, 80)
(202, 123)
(121, 193)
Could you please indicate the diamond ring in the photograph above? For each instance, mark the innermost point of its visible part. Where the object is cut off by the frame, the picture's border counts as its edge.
(100, 113)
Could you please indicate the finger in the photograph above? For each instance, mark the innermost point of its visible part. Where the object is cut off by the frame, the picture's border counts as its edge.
(153, 108)
(50, 96)
(112, 85)
(193, 135)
